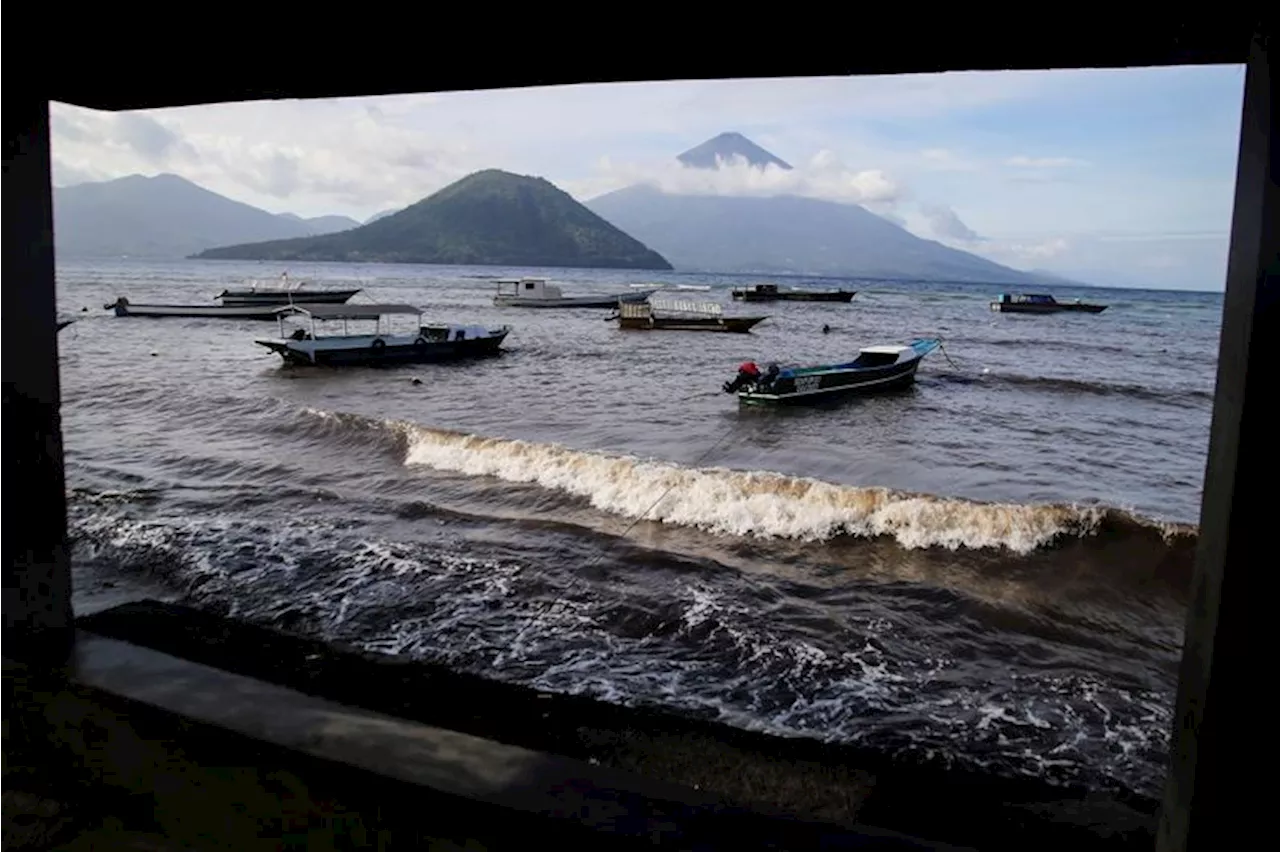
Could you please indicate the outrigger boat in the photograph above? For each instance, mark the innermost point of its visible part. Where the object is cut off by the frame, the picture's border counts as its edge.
(252, 303)
(1037, 303)
(420, 343)
(772, 293)
(877, 368)
(124, 308)
(680, 316)
(537, 293)
(260, 293)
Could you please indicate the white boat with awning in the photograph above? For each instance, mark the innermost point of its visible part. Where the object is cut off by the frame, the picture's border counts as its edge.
(398, 335)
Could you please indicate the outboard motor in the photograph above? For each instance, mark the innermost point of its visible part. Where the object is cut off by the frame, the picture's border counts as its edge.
(748, 373)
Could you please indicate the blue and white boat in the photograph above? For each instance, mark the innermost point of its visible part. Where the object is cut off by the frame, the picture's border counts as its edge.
(876, 369)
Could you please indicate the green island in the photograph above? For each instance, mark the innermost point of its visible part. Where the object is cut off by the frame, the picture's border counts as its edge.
(489, 218)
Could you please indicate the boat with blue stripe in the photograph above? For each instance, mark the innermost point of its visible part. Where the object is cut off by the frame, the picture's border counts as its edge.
(876, 369)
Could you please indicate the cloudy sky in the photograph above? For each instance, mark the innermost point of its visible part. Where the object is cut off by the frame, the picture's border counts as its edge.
(1120, 177)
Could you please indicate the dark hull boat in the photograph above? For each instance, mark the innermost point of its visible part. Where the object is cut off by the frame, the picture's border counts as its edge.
(681, 316)
(1018, 303)
(423, 344)
(771, 293)
(876, 369)
(277, 298)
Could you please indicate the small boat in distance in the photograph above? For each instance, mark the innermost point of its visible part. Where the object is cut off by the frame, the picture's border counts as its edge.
(261, 293)
(876, 369)
(416, 344)
(680, 316)
(772, 293)
(1038, 303)
(703, 288)
(537, 293)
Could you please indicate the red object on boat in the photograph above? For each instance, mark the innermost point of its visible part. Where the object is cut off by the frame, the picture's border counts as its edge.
(749, 367)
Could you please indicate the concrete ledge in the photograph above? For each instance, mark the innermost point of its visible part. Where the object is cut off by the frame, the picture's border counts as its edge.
(197, 708)
(795, 777)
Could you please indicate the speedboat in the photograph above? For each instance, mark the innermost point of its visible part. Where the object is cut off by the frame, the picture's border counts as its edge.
(877, 368)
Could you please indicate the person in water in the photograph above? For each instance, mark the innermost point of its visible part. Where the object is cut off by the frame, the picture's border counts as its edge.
(826, 329)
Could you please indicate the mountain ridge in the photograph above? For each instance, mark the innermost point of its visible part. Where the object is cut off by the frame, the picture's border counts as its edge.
(490, 218)
(164, 216)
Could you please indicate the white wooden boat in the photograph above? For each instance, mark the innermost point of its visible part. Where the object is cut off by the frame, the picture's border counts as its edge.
(413, 343)
(681, 315)
(124, 308)
(538, 293)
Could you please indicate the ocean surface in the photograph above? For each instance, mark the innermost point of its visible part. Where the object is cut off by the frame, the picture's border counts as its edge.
(990, 568)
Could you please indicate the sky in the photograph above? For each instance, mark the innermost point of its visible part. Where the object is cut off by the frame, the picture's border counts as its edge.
(1118, 177)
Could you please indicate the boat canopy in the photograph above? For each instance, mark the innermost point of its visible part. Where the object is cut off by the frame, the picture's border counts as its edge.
(372, 312)
(671, 307)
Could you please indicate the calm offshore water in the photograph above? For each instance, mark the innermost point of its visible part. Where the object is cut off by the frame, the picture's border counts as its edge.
(990, 567)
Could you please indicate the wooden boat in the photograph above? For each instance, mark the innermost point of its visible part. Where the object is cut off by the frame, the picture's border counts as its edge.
(537, 293)
(260, 294)
(418, 343)
(772, 293)
(680, 316)
(1037, 303)
(124, 308)
(877, 368)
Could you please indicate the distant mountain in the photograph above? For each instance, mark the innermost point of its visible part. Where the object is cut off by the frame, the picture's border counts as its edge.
(784, 234)
(385, 213)
(725, 147)
(165, 216)
(490, 217)
(323, 224)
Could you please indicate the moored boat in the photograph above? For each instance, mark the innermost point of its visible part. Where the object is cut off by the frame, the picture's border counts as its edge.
(538, 293)
(284, 293)
(1039, 303)
(876, 369)
(412, 344)
(124, 308)
(773, 293)
(680, 316)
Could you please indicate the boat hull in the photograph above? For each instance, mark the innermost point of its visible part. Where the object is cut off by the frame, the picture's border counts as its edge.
(795, 296)
(572, 301)
(280, 298)
(835, 384)
(1068, 307)
(730, 325)
(236, 312)
(422, 352)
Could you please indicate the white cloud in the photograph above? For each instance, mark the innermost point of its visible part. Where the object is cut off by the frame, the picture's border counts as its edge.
(946, 225)
(944, 159)
(823, 176)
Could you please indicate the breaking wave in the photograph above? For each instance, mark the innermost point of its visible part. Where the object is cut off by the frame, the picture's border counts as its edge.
(758, 504)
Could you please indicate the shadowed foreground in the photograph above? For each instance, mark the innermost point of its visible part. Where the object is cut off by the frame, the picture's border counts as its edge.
(331, 750)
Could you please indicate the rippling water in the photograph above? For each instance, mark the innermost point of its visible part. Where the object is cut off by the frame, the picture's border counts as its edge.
(989, 568)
